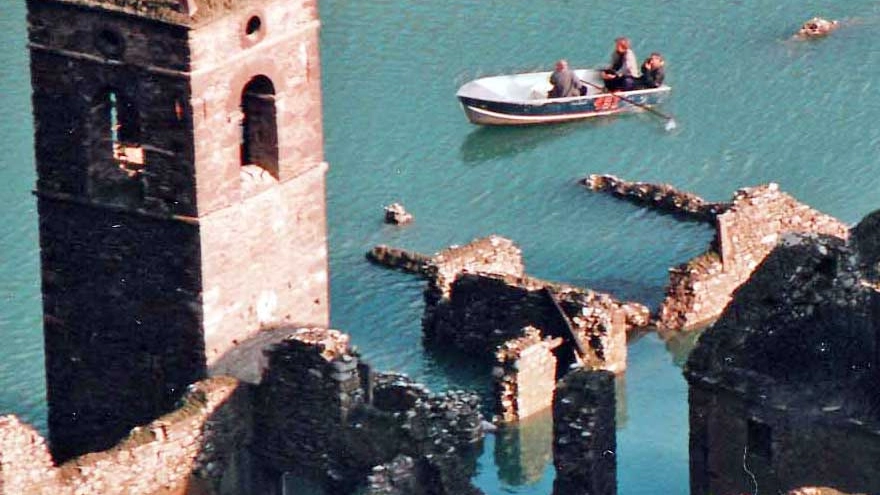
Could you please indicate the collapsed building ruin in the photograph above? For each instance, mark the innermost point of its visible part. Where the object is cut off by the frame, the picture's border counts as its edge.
(783, 386)
(746, 229)
(480, 301)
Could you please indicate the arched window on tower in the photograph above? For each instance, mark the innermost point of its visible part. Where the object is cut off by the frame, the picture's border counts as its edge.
(259, 132)
(117, 159)
(125, 133)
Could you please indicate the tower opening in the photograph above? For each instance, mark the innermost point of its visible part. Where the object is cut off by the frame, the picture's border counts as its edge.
(124, 133)
(259, 143)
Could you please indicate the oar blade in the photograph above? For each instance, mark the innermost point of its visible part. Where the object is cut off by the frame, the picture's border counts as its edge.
(670, 125)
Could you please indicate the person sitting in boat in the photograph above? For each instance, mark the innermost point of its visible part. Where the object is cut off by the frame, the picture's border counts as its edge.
(565, 82)
(623, 72)
(652, 71)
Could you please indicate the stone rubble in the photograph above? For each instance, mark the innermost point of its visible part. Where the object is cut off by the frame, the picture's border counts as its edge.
(396, 214)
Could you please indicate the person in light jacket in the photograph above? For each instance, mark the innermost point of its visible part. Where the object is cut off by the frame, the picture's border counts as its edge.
(623, 72)
(565, 82)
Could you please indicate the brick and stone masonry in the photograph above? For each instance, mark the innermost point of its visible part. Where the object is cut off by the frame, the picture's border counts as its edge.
(320, 412)
(525, 370)
(747, 229)
(785, 380)
(180, 186)
(199, 448)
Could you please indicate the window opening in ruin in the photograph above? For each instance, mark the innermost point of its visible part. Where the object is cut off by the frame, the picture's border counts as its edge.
(760, 439)
(110, 43)
(253, 26)
(259, 132)
(124, 135)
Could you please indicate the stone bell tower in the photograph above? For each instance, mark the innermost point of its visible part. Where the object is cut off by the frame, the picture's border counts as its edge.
(181, 196)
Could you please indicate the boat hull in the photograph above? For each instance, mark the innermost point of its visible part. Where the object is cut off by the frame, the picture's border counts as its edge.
(520, 100)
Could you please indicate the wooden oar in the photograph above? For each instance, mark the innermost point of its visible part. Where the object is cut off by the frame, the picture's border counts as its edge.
(670, 122)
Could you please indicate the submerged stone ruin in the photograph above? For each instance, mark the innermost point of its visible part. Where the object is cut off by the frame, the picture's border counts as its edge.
(479, 301)
(318, 412)
(746, 229)
(785, 380)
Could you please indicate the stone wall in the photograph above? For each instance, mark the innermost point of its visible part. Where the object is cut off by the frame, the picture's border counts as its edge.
(199, 448)
(120, 346)
(662, 197)
(782, 449)
(492, 254)
(317, 368)
(264, 245)
(524, 376)
(584, 437)
(746, 233)
(345, 420)
(484, 311)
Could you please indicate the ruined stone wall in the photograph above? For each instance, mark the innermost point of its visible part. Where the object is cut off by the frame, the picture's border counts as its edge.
(485, 311)
(736, 443)
(492, 254)
(751, 228)
(662, 197)
(316, 367)
(25, 462)
(700, 290)
(524, 376)
(198, 448)
(584, 437)
(331, 432)
(122, 321)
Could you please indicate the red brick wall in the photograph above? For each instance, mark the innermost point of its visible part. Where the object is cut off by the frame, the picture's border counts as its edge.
(263, 245)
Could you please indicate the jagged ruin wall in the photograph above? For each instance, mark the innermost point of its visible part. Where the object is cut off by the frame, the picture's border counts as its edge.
(785, 380)
(782, 449)
(198, 448)
(524, 373)
(484, 311)
(345, 420)
(699, 290)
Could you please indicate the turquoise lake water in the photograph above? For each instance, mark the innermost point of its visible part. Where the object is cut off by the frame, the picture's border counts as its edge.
(752, 106)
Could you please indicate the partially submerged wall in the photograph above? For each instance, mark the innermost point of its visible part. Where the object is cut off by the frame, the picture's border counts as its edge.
(747, 229)
(524, 376)
(197, 448)
(483, 311)
(322, 413)
(584, 437)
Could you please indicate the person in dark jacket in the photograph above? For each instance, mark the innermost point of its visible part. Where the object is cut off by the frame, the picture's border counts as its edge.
(565, 82)
(653, 72)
